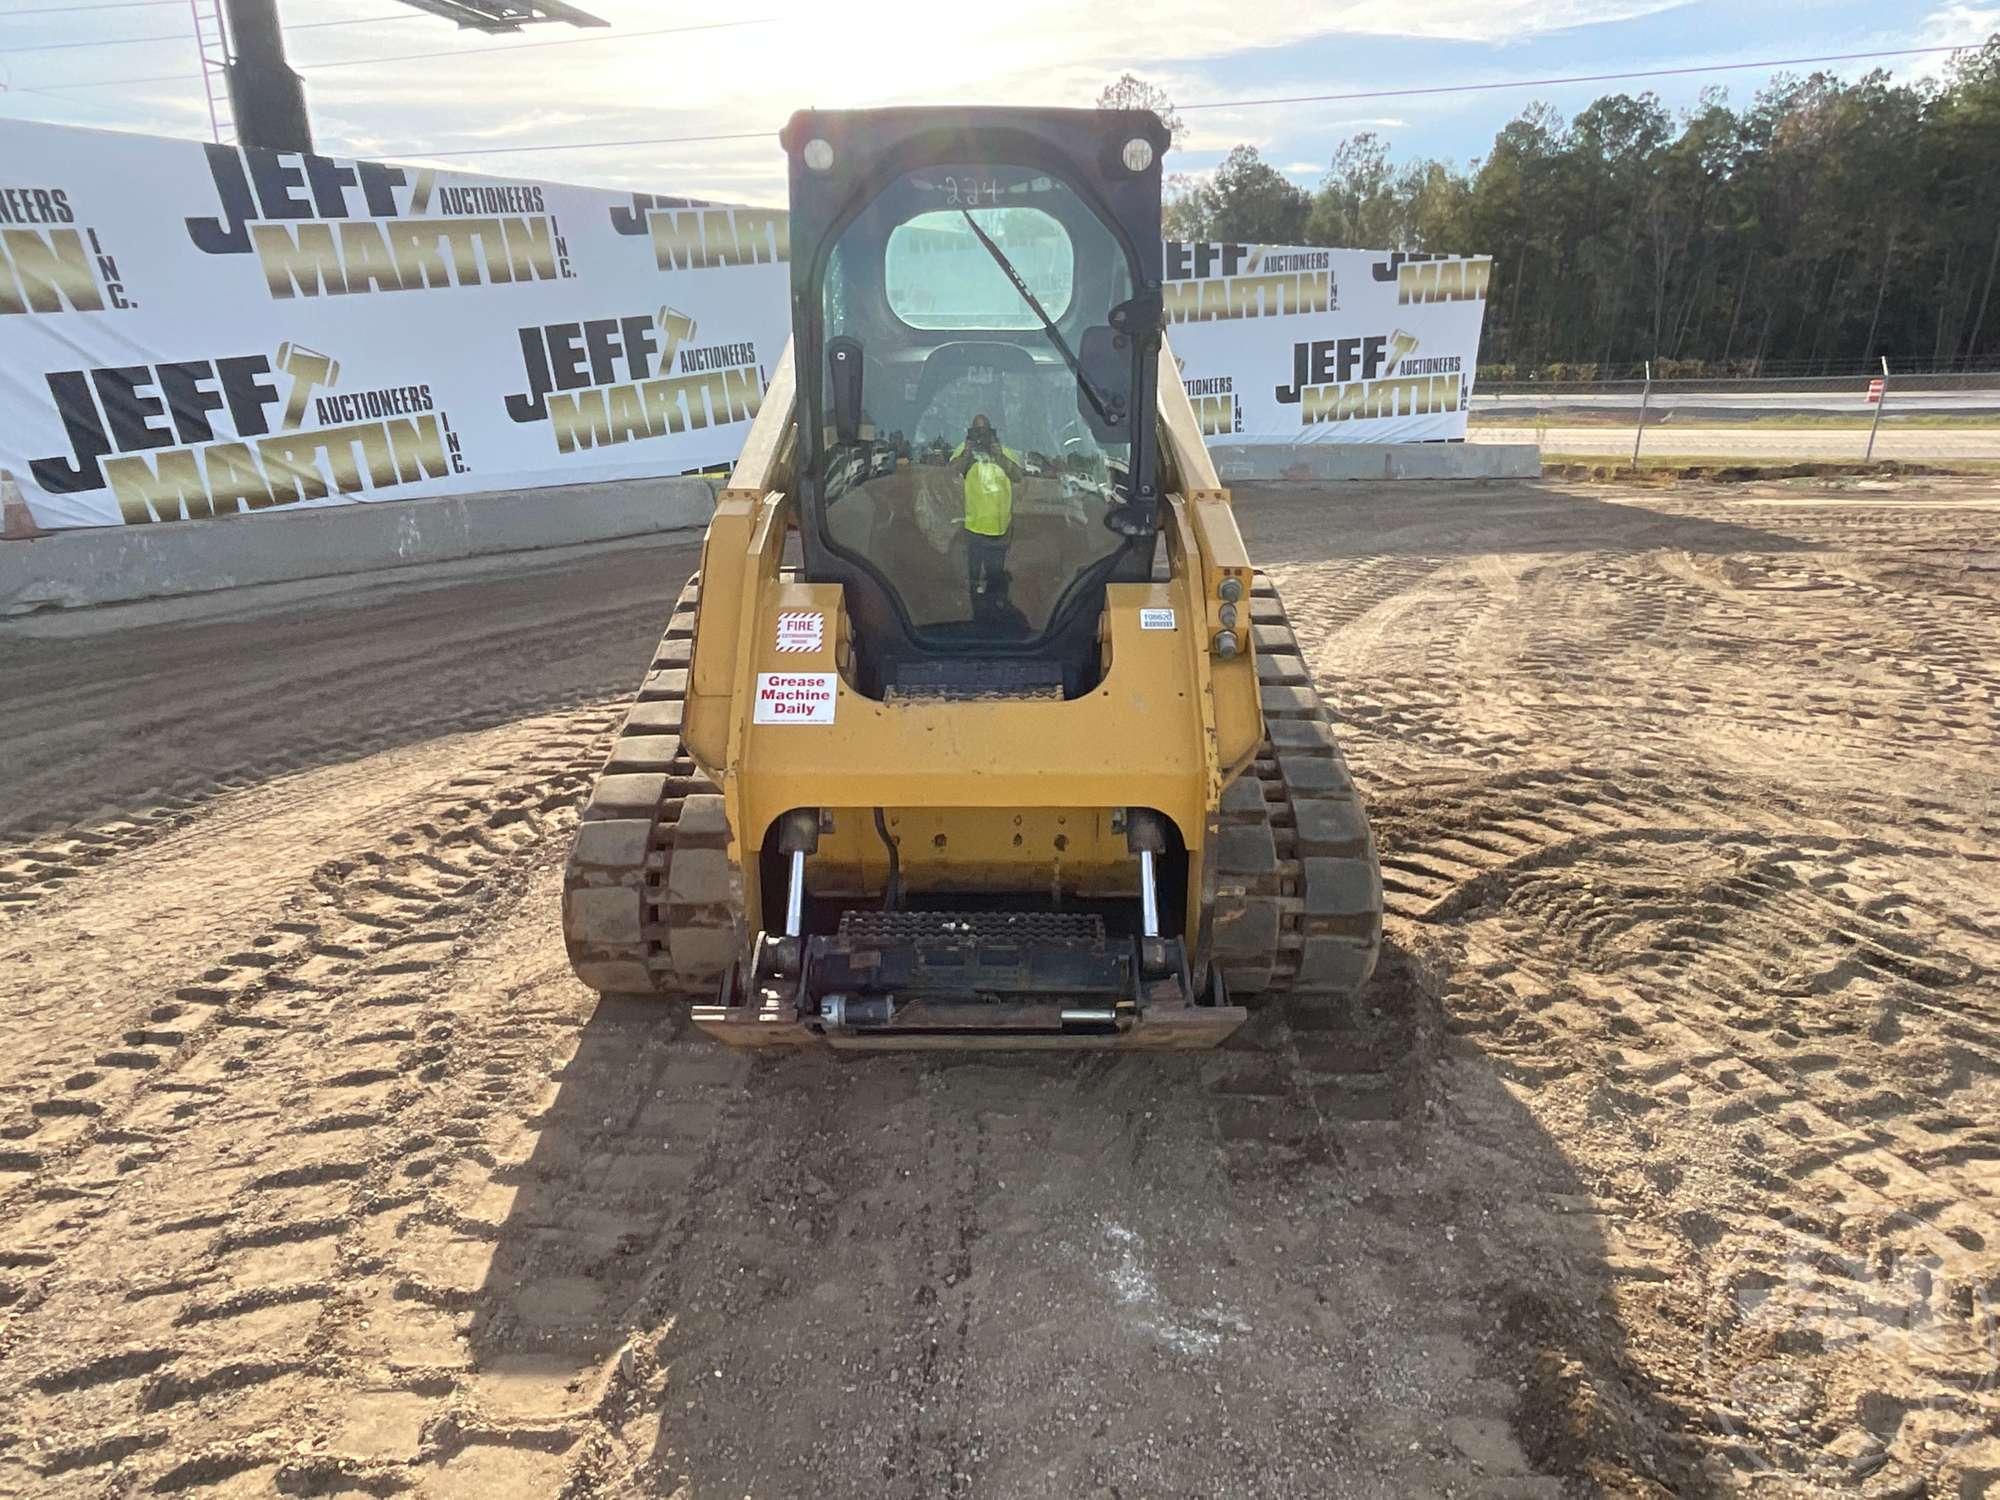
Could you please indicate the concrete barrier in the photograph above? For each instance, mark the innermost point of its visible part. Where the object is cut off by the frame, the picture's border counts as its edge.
(1315, 463)
(119, 564)
(123, 564)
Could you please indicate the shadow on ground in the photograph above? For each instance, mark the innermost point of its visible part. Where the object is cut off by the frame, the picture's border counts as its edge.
(1325, 1259)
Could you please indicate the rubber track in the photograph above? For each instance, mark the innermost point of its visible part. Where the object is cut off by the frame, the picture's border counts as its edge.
(651, 902)
(1298, 906)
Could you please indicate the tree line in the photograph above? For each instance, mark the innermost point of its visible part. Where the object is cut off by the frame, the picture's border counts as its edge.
(1826, 225)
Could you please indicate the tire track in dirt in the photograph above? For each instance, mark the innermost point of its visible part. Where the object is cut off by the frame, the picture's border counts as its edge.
(116, 739)
(1393, 704)
(334, 1044)
(1816, 1030)
(1732, 950)
(34, 869)
(207, 895)
(892, 1275)
(1657, 1159)
(38, 870)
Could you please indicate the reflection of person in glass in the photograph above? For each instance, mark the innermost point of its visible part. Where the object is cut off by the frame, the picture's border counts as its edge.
(989, 471)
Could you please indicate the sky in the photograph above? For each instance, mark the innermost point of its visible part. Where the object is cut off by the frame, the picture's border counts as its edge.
(675, 71)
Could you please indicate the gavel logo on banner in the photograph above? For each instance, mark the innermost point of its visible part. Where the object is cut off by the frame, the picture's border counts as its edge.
(676, 328)
(309, 369)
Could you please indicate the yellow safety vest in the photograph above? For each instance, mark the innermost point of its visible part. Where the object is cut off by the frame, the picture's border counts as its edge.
(989, 494)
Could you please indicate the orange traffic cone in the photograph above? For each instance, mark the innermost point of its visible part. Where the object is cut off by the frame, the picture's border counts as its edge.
(17, 522)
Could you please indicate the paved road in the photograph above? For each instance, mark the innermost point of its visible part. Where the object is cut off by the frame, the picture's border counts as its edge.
(1852, 402)
(1767, 444)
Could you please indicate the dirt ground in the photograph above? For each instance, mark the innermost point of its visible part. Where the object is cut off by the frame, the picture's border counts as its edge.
(1660, 1157)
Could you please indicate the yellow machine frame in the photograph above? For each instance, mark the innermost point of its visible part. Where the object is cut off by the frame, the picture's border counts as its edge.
(1007, 794)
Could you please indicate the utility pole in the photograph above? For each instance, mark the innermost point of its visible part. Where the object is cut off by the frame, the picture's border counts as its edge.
(265, 95)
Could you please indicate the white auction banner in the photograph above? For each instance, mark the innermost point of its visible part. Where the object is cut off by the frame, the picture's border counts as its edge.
(191, 330)
(1289, 344)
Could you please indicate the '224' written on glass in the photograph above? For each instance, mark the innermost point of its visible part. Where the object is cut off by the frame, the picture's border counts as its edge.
(970, 192)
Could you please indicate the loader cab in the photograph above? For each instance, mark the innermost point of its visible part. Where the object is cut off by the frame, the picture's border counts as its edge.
(976, 324)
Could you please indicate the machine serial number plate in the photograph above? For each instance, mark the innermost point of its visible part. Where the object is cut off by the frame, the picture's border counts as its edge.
(795, 697)
(1156, 619)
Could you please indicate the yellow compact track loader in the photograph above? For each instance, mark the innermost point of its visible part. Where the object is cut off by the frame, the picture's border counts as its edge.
(976, 727)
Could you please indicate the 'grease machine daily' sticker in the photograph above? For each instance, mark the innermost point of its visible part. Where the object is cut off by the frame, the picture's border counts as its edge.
(795, 697)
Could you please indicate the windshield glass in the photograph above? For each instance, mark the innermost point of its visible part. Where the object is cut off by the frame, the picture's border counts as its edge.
(939, 274)
(974, 480)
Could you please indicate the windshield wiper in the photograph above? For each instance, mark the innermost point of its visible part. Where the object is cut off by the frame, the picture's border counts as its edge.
(1048, 324)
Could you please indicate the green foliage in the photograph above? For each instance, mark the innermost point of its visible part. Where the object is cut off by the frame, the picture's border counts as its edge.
(1823, 226)
(1245, 199)
(1129, 91)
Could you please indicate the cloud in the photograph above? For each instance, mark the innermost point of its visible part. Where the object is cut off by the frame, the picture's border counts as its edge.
(1956, 24)
(483, 92)
(1959, 23)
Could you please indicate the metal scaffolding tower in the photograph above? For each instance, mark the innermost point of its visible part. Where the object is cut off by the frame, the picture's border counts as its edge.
(212, 42)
